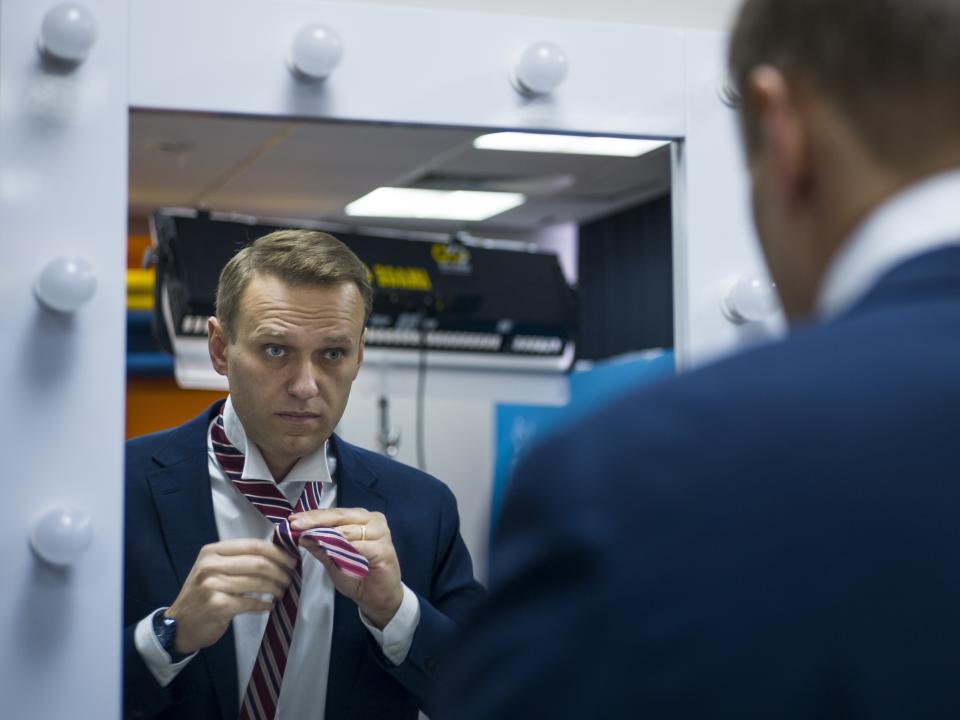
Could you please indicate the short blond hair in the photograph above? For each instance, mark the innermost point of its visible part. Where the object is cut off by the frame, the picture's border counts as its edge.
(297, 257)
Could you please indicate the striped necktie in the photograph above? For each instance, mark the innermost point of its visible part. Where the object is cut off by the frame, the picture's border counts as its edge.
(263, 691)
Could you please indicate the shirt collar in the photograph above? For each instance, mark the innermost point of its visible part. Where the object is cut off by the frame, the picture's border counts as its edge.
(921, 218)
(317, 467)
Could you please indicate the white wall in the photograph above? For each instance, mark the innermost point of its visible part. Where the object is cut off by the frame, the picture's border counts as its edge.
(704, 14)
(404, 65)
(564, 241)
(459, 426)
(62, 191)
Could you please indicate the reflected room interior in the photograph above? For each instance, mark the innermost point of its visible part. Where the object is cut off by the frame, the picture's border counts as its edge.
(517, 275)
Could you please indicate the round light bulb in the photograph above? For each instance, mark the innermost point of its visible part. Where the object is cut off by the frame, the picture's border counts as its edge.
(540, 69)
(750, 298)
(62, 535)
(65, 284)
(68, 32)
(315, 51)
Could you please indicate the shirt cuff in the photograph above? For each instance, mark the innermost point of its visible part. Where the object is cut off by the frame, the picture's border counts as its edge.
(154, 656)
(397, 636)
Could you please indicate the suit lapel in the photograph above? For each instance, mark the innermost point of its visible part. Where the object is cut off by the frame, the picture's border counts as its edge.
(181, 492)
(356, 487)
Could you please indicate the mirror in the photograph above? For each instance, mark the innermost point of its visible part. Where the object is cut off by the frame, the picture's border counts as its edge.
(606, 217)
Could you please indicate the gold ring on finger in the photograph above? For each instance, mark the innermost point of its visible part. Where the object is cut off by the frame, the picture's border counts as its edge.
(363, 533)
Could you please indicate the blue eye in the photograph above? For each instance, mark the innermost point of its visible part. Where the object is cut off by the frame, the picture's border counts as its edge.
(333, 354)
(275, 351)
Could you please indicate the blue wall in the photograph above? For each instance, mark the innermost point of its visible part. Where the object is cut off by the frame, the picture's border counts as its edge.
(519, 427)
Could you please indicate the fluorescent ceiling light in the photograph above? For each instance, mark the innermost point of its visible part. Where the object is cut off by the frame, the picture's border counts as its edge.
(567, 144)
(390, 202)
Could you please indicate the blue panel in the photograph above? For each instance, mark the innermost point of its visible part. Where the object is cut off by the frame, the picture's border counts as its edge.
(144, 358)
(142, 364)
(520, 427)
(605, 380)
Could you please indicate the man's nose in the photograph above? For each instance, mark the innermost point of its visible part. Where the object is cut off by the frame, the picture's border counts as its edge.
(303, 385)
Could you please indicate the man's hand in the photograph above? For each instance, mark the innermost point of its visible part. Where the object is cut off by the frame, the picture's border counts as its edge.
(379, 595)
(228, 578)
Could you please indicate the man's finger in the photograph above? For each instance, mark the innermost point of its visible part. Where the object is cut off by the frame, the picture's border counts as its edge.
(252, 546)
(331, 517)
(250, 565)
(359, 533)
(244, 584)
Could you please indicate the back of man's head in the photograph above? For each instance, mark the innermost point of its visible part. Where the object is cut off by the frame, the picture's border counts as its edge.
(891, 67)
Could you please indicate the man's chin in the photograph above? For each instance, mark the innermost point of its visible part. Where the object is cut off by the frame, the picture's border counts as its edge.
(300, 445)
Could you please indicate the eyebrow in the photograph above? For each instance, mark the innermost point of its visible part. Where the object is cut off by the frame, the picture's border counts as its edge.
(339, 340)
(267, 333)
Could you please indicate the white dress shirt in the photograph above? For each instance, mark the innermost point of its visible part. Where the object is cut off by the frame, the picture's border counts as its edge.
(921, 218)
(304, 689)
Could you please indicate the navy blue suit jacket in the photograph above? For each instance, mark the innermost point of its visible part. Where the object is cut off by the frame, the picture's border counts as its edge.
(774, 536)
(169, 517)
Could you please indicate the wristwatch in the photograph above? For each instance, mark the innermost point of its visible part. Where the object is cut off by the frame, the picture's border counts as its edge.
(165, 628)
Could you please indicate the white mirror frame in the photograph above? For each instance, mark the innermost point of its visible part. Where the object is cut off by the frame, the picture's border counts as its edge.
(63, 190)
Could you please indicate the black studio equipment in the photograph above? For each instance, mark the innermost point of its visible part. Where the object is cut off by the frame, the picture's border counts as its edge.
(470, 302)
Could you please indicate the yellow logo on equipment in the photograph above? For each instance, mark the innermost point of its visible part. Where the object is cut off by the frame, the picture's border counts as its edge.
(396, 277)
(455, 258)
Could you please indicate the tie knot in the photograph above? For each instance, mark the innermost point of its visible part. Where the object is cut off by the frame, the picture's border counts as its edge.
(266, 497)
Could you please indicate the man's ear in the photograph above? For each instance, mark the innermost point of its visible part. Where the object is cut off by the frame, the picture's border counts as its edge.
(363, 342)
(782, 131)
(217, 345)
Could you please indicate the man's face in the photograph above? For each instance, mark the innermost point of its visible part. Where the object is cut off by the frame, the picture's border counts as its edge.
(295, 353)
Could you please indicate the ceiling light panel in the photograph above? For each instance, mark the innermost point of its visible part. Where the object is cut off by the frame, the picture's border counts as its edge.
(567, 144)
(391, 202)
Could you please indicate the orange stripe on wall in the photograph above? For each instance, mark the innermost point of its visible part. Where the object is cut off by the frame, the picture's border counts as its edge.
(137, 246)
(158, 403)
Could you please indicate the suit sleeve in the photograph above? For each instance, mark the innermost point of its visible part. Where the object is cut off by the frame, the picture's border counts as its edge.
(453, 596)
(149, 583)
(143, 696)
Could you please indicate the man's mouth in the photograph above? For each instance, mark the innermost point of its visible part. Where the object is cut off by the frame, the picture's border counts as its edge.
(298, 416)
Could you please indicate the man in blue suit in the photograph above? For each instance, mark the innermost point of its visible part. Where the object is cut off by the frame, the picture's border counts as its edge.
(776, 535)
(209, 628)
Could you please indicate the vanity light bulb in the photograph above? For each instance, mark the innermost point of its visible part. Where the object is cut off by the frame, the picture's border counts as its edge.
(62, 535)
(65, 284)
(315, 52)
(68, 32)
(751, 298)
(540, 69)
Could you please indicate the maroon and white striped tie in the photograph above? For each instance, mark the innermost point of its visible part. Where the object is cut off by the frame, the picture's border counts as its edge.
(263, 692)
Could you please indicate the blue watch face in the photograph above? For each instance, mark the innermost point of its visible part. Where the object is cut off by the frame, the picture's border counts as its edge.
(165, 628)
